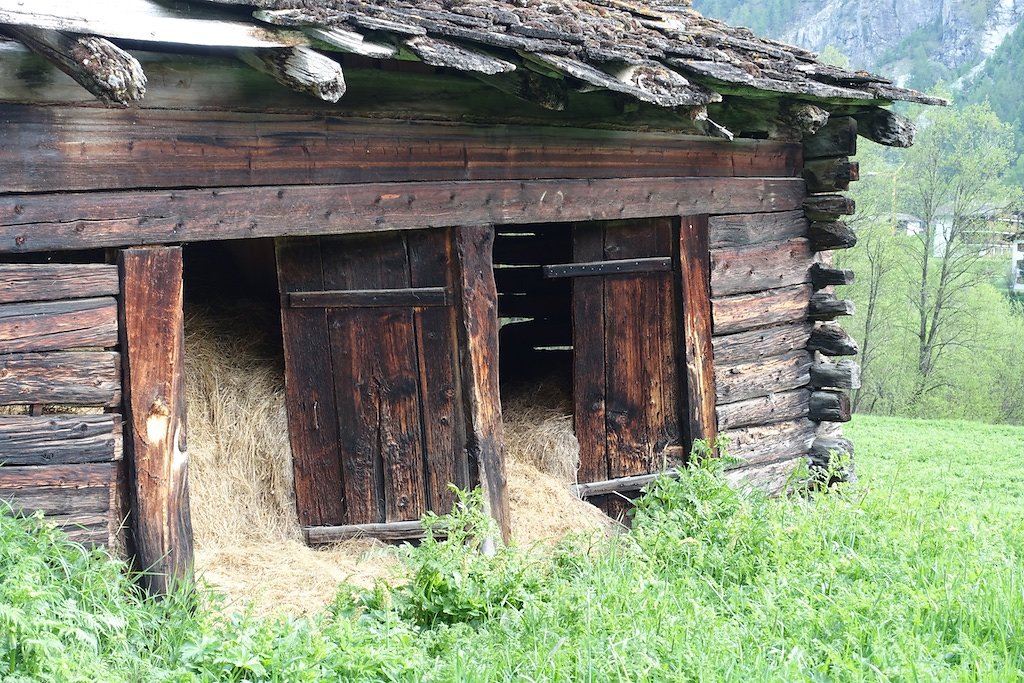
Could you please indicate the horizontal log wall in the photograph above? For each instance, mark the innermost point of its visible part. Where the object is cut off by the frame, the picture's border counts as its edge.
(58, 361)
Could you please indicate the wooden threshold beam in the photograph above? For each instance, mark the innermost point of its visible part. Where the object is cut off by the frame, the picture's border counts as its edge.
(89, 220)
(389, 531)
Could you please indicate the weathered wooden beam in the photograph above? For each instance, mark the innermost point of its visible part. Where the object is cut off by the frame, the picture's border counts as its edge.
(828, 207)
(393, 532)
(696, 324)
(56, 325)
(99, 66)
(50, 282)
(59, 439)
(548, 93)
(745, 347)
(145, 21)
(92, 220)
(619, 485)
(778, 407)
(478, 341)
(754, 228)
(87, 378)
(832, 340)
(347, 40)
(830, 406)
(763, 377)
(773, 478)
(825, 306)
(55, 148)
(837, 138)
(301, 69)
(153, 342)
(771, 443)
(823, 276)
(755, 268)
(886, 127)
(842, 375)
(362, 298)
(654, 264)
(743, 312)
(831, 235)
(830, 175)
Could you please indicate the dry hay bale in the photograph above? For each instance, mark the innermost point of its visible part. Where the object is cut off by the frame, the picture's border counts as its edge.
(542, 458)
(248, 541)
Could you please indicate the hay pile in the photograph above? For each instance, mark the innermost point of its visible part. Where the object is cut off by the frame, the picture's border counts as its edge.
(248, 541)
(247, 537)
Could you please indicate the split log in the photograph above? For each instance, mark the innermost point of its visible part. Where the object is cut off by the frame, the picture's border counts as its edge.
(749, 311)
(84, 378)
(51, 282)
(696, 322)
(829, 406)
(759, 267)
(59, 439)
(745, 229)
(832, 340)
(828, 207)
(842, 375)
(787, 405)
(837, 138)
(99, 66)
(825, 306)
(153, 341)
(347, 41)
(886, 127)
(478, 340)
(830, 175)
(763, 377)
(301, 69)
(750, 346)
(56, 325)
(825, 236)
(823, 276)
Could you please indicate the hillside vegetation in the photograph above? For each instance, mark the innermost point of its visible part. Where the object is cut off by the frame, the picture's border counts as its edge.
(915, 574)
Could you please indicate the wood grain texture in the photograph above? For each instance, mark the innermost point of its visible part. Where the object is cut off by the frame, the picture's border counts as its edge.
(832, 340)
(753, 228)
(478, 341)
(56, 148)
(56, 325)
(770, 443)
(746, 347)
(837, 138)
(74, 496)
(755, 268)
(153, 341)
(744, 312)
(779, 407)
(828, 207)
(842, 375)
(64, 221)
(52, 282)
(762, 377)
(696, 324)
(773, 478)
(830, 406)
(86, 378)
(59, 439)
(371, 298)
(313, 429)
(830, 175)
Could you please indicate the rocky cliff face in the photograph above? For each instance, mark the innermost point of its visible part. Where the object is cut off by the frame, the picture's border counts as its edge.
(899, 37)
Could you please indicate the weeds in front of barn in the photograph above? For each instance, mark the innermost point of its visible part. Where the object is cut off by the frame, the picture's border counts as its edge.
(897, 579)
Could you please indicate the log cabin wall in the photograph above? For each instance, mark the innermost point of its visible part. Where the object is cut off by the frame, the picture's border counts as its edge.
(60, 369)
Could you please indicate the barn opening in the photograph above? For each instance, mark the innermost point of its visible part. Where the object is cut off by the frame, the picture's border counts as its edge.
(591, 324)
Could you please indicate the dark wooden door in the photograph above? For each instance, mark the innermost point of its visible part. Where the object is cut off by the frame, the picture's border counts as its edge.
(373, 376)
(626, 342)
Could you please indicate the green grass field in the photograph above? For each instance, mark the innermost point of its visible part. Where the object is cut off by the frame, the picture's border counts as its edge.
(913, 575)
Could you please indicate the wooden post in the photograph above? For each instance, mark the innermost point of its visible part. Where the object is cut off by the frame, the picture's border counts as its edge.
(153, 344)
(695, 282)
(478, 350)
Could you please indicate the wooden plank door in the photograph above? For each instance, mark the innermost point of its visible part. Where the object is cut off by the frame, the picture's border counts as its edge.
(374, 378)
(626, 343)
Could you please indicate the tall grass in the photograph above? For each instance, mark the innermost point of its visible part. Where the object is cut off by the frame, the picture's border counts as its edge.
(914, 575)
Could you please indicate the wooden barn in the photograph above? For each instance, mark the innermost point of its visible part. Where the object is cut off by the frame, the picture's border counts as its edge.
(630, 193)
